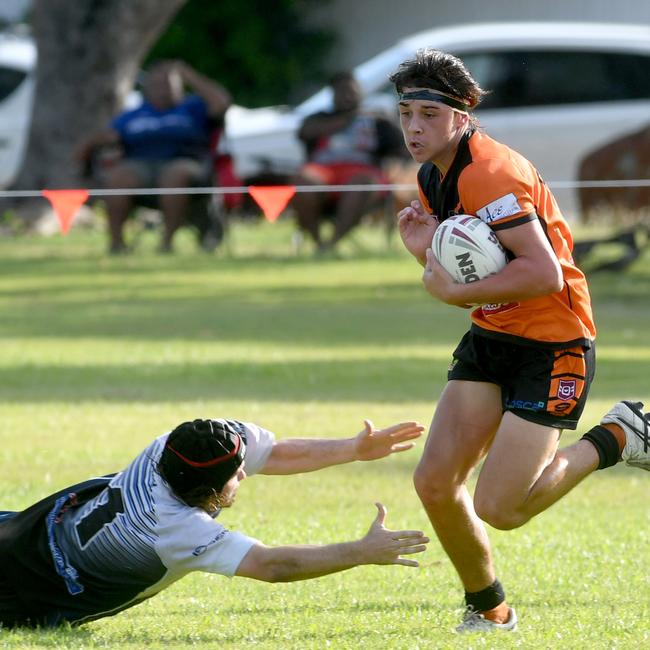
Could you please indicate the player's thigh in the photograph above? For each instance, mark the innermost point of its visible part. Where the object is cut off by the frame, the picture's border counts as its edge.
(465, 421)
(520, 452)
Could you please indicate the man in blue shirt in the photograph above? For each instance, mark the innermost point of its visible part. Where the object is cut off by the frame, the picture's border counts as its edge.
(165, 142)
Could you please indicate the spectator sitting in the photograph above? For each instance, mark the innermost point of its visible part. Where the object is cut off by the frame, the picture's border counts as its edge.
(344, 146)
(165, 142)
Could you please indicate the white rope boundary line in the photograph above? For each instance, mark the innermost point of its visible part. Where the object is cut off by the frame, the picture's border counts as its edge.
(244, 189)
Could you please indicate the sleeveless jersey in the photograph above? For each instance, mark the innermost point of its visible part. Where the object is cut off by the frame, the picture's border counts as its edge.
(491, 181)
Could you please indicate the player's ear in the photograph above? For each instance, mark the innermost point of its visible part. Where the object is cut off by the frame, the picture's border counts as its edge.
(460, 119)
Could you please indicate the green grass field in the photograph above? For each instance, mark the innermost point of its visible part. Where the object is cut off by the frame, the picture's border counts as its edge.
(99, 355)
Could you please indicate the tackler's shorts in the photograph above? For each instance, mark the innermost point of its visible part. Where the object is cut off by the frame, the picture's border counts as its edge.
(538, 384)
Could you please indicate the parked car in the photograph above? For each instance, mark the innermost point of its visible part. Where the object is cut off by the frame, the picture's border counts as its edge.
(559, 90)
(17, 60)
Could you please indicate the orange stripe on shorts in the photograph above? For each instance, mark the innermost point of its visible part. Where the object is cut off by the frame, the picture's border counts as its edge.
(567, 381)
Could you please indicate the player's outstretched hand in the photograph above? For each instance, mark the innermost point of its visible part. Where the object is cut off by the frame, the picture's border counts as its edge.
(383, 546)
(371, 443)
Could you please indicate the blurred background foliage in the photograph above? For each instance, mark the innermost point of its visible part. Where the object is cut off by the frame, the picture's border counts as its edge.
(264, 51)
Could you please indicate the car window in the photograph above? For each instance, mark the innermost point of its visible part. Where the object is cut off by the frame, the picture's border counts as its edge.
(10, 79)
(538, 78)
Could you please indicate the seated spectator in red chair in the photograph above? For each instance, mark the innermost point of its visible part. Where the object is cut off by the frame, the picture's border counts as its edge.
(344, 146)
(165, 142)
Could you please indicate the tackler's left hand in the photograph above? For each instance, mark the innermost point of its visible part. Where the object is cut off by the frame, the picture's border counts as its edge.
(371, 443)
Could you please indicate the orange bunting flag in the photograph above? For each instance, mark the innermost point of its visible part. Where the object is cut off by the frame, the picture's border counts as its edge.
(272, 198)
(66, 204)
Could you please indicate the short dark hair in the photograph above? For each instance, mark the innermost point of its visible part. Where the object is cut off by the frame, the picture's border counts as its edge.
(200, 457)
(439, 71)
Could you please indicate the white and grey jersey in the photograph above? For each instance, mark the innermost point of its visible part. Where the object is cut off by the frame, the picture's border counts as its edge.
(136, 537)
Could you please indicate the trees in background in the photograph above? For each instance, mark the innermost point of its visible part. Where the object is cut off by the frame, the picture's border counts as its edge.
(264, 51)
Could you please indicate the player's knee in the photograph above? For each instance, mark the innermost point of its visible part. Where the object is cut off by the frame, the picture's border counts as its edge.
(432, 486)
(496, 513)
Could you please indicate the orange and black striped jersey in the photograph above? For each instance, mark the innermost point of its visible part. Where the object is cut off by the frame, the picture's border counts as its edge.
(491, 181)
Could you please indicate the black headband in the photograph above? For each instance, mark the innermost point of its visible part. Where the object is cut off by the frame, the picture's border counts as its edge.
(435, 96)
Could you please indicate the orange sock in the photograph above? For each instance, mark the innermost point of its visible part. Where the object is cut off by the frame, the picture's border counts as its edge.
(618, 433)
(498, 614)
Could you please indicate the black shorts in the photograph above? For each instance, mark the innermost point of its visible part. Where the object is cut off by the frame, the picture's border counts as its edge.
(538, 384)
(32, 589)
(11, 612)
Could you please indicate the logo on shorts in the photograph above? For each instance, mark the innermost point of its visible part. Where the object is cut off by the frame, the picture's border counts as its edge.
(525, 405)
(566, 389)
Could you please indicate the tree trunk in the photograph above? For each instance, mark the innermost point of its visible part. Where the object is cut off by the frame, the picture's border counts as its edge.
(89, 53)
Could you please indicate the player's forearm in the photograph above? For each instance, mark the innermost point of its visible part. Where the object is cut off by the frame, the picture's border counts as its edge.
(298, 455)
(380, 545)
(292, 563)
(521, 279)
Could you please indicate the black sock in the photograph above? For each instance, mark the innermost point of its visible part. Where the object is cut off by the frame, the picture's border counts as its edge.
(487, 598)
(606, 445)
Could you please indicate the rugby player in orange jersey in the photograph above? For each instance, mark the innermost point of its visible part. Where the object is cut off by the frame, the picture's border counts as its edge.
(522, 372)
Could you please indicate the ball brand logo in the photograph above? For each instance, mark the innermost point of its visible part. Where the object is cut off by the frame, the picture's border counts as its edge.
(495, 240)
(566, 389)
(468, 249)
(467, 268)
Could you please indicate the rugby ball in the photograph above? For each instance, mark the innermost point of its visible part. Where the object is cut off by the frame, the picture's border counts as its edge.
(468, 249)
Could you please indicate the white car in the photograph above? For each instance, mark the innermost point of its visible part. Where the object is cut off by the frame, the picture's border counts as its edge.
(17, 61)
(559, 90)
